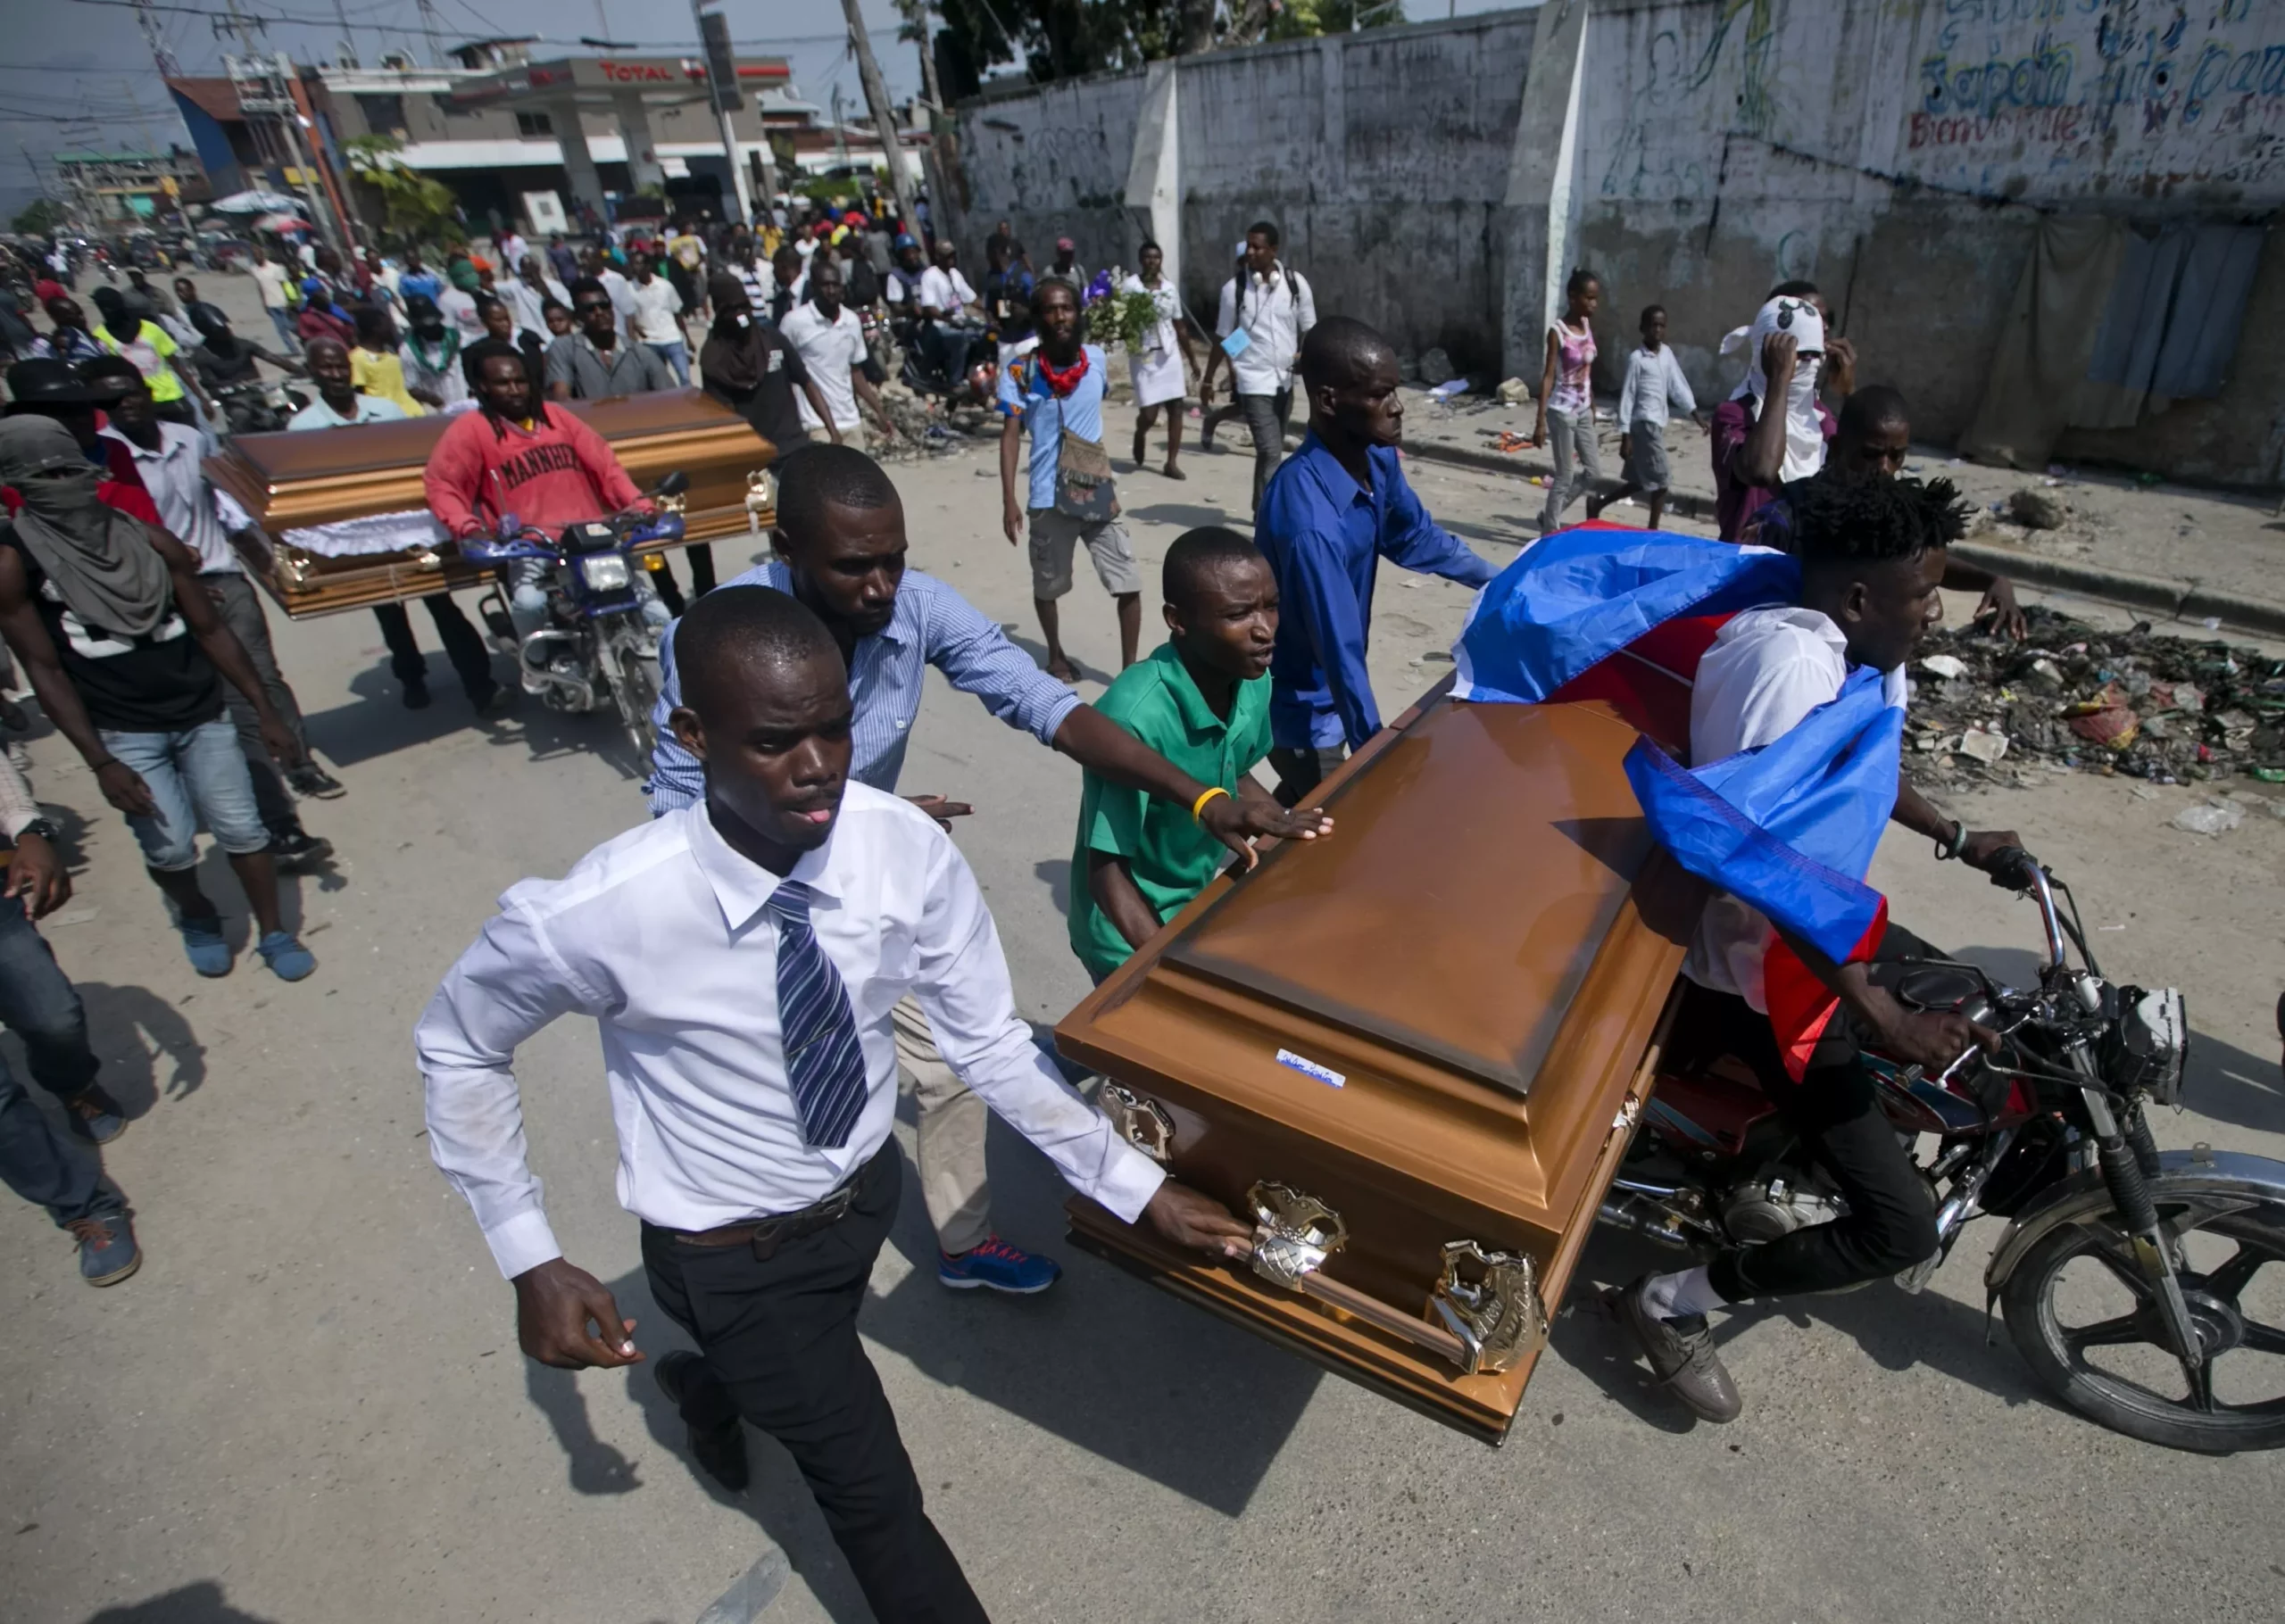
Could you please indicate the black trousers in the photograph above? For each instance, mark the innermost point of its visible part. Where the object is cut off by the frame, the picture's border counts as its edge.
(1300, 771)
(463, 646)
(779, 1337)
(1890, 1224)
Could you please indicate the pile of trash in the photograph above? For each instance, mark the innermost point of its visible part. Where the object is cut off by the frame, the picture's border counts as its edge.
(2072, 696)
(925, 429)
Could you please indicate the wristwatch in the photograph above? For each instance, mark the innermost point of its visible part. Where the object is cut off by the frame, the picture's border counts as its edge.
(42, 828)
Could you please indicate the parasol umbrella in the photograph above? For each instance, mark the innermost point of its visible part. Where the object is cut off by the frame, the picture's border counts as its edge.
(257, 201)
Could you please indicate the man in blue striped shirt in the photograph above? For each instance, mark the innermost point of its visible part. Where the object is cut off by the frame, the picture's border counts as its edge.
(840, 547)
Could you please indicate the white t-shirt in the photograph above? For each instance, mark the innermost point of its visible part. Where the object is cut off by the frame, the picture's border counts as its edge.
(944, 290)
(269, 276)
(1766, 669)
(829, 351)
(1277, 311)
(656, 318)
(459, 307)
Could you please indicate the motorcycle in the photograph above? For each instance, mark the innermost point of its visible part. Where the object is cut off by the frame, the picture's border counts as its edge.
(594, 647)
(256, 407)
(978, 383)
(2123, 1276)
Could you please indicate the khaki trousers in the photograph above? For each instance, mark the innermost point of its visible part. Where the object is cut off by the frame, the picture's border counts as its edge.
(950, 1136)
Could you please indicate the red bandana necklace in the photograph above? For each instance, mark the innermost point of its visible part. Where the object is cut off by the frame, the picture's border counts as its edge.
(1063, 380)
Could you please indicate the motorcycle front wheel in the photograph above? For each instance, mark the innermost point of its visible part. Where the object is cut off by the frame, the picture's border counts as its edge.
(2088, 1324)
(635, 684)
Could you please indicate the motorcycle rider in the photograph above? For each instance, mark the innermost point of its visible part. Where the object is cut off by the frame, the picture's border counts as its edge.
(1872, 554)
(226, 365)
(518, 455)
(948, 332)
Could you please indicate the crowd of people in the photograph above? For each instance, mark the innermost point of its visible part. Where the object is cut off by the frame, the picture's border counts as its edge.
(756, 1147)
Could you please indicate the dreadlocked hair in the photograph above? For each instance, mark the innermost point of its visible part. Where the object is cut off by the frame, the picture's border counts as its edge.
(1866, 521)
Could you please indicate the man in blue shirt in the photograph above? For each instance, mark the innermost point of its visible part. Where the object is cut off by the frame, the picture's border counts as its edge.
(1329, 514)
(1054, 391)
(840, 548)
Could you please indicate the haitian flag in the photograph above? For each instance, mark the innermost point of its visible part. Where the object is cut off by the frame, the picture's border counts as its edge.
(1790, 827)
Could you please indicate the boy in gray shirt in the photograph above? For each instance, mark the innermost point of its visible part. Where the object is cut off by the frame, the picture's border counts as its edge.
(1654, 389)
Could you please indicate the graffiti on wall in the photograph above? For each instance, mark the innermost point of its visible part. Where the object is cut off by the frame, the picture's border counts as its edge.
(2079, 95)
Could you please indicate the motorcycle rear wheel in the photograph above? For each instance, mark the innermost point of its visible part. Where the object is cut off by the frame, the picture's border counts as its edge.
(2245, 1337)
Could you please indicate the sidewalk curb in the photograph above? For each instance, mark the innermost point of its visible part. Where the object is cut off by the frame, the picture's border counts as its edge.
(2175, 598)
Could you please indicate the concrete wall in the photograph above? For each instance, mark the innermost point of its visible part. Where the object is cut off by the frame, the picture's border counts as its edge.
(1052, 162)
(1900, 153)
(1436, 180)
(1381, 156)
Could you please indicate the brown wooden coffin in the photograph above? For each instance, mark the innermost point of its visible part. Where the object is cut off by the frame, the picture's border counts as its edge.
(1439, 1024)
(288, 481)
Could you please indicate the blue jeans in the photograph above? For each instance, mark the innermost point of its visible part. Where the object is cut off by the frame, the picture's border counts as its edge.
(283, 320)
(39, 1005)
(676, 355)
(197, 773)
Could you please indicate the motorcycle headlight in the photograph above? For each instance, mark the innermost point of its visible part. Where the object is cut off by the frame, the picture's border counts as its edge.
(605, 572)
(2151, 1044)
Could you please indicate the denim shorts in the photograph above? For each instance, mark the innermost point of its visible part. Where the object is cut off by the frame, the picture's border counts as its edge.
(196, 775)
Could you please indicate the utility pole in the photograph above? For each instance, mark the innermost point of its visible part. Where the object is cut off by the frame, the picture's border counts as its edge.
(348, 41)
(157, 41)
(722, 90)
(428, 25)
(883, 117)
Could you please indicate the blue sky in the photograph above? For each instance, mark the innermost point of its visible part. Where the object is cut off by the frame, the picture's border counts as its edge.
(80, 74)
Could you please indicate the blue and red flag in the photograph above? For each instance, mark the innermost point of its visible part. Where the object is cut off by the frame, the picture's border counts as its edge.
(1789, 828)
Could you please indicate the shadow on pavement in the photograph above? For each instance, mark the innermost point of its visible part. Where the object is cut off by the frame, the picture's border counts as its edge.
(199, 1603)
(1897, 1331)
(1190, 516)
(1055, 873)
(379, 724)
(777, 1498)
(126, 1024)
(1103, 1361)
(597, 1468)
(2230, 1085)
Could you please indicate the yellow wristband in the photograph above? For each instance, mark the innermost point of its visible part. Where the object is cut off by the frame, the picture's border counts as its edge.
(1198, 806)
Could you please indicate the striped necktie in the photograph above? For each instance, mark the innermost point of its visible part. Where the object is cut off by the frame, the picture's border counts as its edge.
(825, 1063)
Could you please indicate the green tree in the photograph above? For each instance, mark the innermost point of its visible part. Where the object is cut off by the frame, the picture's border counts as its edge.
(44, 216)
(413, 207)
(1065, 38)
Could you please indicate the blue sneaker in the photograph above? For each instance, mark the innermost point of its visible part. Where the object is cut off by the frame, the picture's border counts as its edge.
(202, 940)
(93, 1115)
(287, 958)
(999, 1266)
(108, 1254)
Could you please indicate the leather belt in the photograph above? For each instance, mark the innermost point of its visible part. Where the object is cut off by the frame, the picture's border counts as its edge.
(766, 1235)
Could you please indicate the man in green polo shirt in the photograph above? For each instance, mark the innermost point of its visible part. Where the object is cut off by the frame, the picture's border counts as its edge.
(1201, 700)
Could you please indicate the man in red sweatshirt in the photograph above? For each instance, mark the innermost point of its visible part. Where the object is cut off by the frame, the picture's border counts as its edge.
(518, 455)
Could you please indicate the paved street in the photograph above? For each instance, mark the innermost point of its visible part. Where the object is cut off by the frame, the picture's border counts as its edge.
(309, 1406)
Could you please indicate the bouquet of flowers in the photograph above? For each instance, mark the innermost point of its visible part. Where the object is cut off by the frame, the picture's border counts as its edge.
(1128, 317)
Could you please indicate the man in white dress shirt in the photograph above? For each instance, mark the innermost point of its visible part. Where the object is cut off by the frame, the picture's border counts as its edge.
(1873, 555)
(741, 957)
(1266, 310)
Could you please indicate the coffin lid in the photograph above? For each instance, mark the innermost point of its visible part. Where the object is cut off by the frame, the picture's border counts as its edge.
(1458, 905)
(305, 478)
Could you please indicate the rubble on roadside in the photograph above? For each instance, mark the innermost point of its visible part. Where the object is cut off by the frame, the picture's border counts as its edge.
(924, 430)
(2072, 697)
